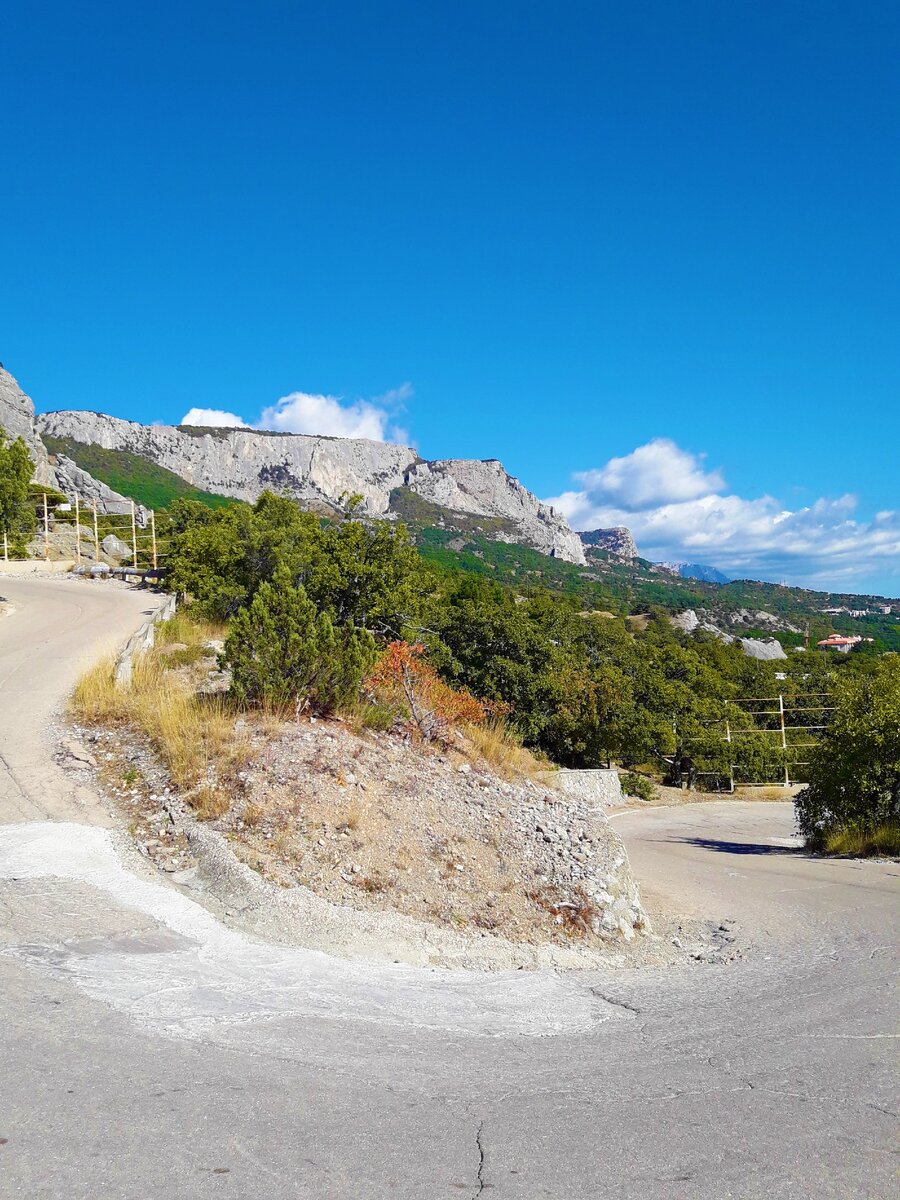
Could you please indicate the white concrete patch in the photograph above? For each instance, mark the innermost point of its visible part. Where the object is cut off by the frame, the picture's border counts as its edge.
(207, 976)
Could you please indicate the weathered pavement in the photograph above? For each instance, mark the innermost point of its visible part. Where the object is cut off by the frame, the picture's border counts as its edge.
(148, 1052)
(58, 628)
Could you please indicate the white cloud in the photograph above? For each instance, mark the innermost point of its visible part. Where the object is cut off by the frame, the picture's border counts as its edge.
(685, 513)
(302, 412)
(214, 417)
(328, 416)
(658, 473)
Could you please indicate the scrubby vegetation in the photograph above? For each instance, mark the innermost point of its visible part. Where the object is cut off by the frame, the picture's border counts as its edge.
(852, 802)
(637, 785)
(194, 735)
(580, 686)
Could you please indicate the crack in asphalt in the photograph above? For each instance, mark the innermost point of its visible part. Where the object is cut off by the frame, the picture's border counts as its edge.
(618, 1003)
(479, 1178)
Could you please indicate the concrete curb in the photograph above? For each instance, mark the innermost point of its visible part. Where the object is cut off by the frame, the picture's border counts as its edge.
(35, 566)
(142, 639)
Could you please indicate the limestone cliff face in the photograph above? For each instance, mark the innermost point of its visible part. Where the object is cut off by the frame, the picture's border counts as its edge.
(484, 488)
(17, 418)
(617, 540)
(324, 471)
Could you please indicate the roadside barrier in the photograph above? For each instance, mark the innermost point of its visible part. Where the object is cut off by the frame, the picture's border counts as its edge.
(142, 639)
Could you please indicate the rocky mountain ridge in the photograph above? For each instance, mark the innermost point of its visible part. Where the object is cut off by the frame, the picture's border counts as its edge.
(325, 471)
(689, 570)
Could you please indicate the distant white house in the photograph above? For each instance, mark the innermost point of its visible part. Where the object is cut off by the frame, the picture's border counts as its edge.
(842, 644)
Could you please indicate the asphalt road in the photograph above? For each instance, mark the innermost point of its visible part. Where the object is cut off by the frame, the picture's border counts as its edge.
(146, 1051)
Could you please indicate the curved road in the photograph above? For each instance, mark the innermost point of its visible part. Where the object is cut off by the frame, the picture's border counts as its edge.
(147, 1051)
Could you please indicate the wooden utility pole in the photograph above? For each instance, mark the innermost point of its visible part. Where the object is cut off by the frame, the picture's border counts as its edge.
(133, 537)
(153, 535)
(46, 530)
(77, 530)
(96, 536)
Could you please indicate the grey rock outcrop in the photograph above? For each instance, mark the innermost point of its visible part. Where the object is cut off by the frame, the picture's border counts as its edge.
(114, 547)
(484, 488)
(767, 649)
(17, 418)
(618, 541)
(686, 621)
(325, 471)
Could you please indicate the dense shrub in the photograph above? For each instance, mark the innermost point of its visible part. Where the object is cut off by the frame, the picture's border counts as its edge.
(634, 784)
(854, 775)
(282, 651)
(584, 688)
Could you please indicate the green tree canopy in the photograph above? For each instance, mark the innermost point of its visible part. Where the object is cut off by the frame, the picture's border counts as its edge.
(17, 519)
(854, 779)
(362, 572)
(282, 650)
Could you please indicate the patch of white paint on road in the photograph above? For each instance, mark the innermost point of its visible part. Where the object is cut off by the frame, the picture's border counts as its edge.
(208, 975)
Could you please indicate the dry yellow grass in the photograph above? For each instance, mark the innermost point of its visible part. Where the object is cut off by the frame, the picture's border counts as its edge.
(351, 817)
(96, 699)
(194, 735)
(252, 815)
(495, 744)
(881, 839)
(209, 803)
(188, 630)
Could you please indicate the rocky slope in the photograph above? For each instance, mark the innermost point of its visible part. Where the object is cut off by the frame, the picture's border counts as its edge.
(768, 649)
(618, 541)
(324, 471)
(17, 418)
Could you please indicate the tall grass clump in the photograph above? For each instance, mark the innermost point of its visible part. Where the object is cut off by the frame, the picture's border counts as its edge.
(501, 749)
(863, 842)
(194, 735)
(96, 699)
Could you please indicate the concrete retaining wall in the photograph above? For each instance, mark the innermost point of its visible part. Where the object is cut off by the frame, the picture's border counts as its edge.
(599, 788)
(34, 566)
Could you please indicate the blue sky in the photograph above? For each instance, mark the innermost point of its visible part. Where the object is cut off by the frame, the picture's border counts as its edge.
(553, 234)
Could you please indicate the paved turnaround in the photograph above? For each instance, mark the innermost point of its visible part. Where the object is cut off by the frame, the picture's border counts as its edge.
(148, 1052)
